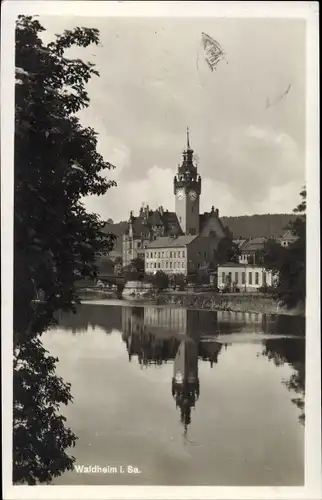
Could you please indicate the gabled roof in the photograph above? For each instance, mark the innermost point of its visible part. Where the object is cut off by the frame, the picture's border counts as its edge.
(239, 242)
(204, 218)
(288, 235)
(143, 224)
(165, 242)
(253, 244)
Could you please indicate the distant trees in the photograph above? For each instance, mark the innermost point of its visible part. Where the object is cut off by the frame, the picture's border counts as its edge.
(289, 263)
(56, 241)
(257, 226)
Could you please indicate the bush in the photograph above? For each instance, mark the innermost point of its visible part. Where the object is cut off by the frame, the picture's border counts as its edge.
(160, 280)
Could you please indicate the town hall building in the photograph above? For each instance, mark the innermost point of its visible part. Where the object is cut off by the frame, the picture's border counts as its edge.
(179, 242)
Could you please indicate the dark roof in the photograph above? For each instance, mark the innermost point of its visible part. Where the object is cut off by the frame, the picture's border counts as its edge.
(289, 236)
(203, 219)
(239, 242)
(164, 242)
(171, 223)
(145, 222)
(117, 229)
(253, 244)
(235, 264)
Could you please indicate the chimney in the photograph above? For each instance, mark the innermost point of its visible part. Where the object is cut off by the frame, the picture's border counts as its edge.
(217, 212)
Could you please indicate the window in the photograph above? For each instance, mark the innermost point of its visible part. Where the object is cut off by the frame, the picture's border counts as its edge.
(174, 265)
(155, 265)
(179, 254)
(166, 264)
(158, 255)
(243, 278)
(250, 278)
(183, 253)
(180, 219)
(264, 279)
(170, 264)
(182, 265)
(236, 278)
(174, 254)
(170, 255)
(256, 278)
(162, 254)
(159, 265)
(229, 277)
(223, 277)
(155, 255)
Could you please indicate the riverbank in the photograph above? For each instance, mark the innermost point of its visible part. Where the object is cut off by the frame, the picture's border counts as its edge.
(238, 302)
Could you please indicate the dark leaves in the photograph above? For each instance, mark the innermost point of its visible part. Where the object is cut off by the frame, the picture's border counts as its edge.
(56, 241)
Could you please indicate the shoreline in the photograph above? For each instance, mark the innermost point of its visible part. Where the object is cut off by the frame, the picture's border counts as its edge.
(244, 303)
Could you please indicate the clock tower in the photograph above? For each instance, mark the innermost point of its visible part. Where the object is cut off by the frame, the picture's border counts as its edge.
(187, 189)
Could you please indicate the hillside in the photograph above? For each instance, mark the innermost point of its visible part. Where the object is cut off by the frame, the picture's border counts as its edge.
(245, 226)
(253, 226)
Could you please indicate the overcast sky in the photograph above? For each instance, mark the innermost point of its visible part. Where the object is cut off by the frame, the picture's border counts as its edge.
(154, 82)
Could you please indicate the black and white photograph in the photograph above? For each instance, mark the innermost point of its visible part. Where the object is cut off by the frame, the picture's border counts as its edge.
(160, 279)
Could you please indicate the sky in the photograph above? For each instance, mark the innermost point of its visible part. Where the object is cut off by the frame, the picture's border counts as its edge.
(154, 82)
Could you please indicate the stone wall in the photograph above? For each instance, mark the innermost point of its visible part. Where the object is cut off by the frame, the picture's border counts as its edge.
(252, 302)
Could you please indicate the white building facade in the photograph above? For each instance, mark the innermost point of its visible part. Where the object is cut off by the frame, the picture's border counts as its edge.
(243, 277)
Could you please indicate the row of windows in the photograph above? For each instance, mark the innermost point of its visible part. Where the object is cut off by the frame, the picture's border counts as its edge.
(165, 265)
(167, 253)
(243, 278)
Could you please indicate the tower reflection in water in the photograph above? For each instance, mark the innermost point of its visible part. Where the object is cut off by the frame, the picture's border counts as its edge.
(155, 336)
(185, 381)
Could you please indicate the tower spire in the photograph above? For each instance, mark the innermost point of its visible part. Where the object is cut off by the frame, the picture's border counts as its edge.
(188, 141)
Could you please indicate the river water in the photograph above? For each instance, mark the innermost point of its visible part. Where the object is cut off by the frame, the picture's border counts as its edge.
(183, 397)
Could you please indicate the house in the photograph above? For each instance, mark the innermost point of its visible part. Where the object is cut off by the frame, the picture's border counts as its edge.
(250, 248)
(243, 277)
(287, 239)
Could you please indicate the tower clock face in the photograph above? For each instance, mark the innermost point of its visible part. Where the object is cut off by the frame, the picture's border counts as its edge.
(192, 195)
(180, 194)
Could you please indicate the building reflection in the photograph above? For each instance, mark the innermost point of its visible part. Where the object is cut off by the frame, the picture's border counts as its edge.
(185, 380)
(155, 336)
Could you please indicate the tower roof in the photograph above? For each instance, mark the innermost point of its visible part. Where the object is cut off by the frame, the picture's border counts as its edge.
(187, 164)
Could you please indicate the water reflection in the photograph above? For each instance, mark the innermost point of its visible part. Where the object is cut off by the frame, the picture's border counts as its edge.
(170, 362)
(185, 381)
(292, 352)
(155, 335)
(179, 320)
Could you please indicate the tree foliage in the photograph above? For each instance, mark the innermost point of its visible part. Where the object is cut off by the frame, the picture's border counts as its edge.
(160, 280)
(227, 251)
(56, 241)
(289, 263)
(258, 225)
(292, 352)
(135, 270)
